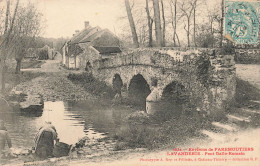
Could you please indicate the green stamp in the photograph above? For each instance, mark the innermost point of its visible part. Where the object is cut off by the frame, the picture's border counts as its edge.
(242, 21)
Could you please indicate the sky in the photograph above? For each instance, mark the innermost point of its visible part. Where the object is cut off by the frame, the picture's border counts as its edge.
(63, 17)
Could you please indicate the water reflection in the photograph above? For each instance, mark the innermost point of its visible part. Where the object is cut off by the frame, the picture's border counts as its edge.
(65, 124)
(72, 121)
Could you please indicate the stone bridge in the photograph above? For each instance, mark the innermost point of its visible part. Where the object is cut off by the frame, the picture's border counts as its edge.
(190, 79)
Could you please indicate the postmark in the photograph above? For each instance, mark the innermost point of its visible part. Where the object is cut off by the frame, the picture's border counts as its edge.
(242, 21)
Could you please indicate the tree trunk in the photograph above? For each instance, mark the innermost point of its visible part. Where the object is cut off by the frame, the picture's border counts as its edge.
(163, 30)
(132, 24)
(222, 23)
(211, 31)
(175, 22)
(7, 16)
(2, 75)
(194, 22)
(188, 32)
(18, 66)
(150, 25)
(157, 20)
(178, 39)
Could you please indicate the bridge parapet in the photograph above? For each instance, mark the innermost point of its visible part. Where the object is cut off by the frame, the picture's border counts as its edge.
(167, 58)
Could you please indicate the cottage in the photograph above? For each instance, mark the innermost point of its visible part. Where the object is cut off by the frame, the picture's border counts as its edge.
(88, 45)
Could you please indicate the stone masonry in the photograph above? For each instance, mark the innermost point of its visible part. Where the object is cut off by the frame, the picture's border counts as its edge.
(208, 76)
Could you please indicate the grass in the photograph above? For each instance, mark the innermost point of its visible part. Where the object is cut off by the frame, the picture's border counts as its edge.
(245, 93)
(92, 85)
(144, 133)
(13, 79)
(32, 64)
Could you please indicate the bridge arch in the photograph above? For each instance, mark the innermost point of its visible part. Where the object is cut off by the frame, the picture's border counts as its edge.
(117, 83)
(173, 98)
(138, 90)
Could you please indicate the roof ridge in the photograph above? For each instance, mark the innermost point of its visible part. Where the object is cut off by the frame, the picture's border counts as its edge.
(98, 34)
(80, 33)
(90, 33)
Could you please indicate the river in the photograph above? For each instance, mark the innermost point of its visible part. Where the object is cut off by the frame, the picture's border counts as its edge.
(94, 119)
(72, 121)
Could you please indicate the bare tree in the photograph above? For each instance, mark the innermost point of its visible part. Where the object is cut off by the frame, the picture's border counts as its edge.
(173, 3)
(214, 17)
(27, 27)
(194, 22)
(157, 21)
(132, 24)
(187, 8)
(7, 41)
(163, 27)
(150, 24)
(222, 22)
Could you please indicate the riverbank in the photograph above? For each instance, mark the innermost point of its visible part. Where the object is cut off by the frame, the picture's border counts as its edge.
(139, 134)
(54, 87)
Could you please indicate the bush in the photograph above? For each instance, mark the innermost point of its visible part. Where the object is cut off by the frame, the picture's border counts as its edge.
(92, 85)
(150, 135)
(206, 40)
(227, 48)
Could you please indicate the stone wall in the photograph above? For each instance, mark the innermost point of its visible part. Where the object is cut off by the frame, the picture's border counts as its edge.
(208, 77)
(247, 56)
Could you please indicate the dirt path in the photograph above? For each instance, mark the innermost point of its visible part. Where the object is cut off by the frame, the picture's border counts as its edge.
(50, 66)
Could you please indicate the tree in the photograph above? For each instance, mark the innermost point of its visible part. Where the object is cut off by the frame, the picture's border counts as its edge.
(187, 8)
(157, 21)
(205, 38)
(163, 29)
(150, 24)
(222, 23)
(132, 24)
(194, 22)
(27, 28)
(7, 43)
(173, 3)
(215, 30)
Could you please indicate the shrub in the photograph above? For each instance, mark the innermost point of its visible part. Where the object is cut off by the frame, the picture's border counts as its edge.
(150, 135)
(92, 85)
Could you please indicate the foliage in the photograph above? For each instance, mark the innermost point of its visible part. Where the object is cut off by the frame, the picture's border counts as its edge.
(27, 27)
(14, 79)
(43, 54)
(203, 69)
(206, 40)
(227, 49)
(92, 85)
(172, 132)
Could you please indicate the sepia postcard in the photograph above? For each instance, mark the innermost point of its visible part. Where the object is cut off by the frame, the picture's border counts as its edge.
(129, 82)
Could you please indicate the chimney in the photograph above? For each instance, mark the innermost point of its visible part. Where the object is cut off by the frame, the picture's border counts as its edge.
(86, 24)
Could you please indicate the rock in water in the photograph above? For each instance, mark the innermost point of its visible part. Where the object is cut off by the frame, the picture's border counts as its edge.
(33, 104)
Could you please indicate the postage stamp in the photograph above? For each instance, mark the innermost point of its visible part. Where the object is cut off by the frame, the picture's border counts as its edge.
(242, 21)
